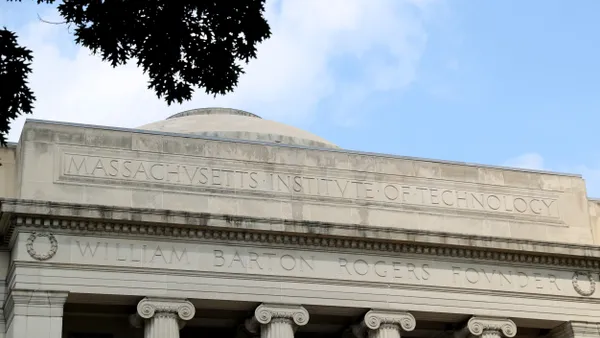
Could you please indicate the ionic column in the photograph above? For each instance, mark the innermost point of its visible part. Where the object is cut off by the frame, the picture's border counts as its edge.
(277, 320)
(163, 317)
(384, 324)
(488, 327)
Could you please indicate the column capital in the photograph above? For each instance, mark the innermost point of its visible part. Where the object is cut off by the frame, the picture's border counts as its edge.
(183, 308)
(374, 319)
(488, 327)
(265, 313)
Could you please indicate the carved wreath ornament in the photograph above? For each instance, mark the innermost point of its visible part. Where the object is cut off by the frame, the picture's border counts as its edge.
(576, 277)
(34, 254)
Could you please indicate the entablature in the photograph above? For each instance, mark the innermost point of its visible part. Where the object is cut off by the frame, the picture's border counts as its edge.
(132, 222)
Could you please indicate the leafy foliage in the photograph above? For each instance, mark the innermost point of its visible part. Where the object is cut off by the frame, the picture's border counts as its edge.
(180, 44)
(15, 95)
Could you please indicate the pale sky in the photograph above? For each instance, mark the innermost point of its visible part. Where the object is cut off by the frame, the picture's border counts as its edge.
(507, 82)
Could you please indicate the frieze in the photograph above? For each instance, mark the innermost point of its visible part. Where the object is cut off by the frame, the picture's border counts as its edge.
(303, 241)
(260, 262)
(317, 264)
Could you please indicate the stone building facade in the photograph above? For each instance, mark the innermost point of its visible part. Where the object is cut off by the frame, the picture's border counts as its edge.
(216, 222)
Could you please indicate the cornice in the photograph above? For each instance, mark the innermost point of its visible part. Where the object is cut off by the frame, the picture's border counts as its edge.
(94, 220)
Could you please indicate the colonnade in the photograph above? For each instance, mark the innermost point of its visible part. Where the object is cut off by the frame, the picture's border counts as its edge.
(39, 314)
(163, 318)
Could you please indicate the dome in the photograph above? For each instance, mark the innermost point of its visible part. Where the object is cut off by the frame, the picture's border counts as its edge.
(236, 124)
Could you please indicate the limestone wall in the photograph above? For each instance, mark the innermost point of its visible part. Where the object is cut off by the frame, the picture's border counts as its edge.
(150, 170)
(7, 171)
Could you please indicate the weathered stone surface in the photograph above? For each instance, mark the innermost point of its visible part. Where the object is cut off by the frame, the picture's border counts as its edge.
(106, 218)
(166, 223)
(8, 172)
(240, 259)
(133, 169)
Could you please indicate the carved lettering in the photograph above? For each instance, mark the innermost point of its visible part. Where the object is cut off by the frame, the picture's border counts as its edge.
(135, 253)
(396, 270)
(292, 184)
(87, 248)
(382, 268)
(504, 278)
(263, 261)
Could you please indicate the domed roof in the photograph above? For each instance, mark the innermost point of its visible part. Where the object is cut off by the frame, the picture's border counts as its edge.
(236, 124)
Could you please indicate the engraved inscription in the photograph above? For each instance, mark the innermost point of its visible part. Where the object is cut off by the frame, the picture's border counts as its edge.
(263, 260)
(466, 276)
(383, 268)
(134, 253)
(247, 179)
(320, 266)
(505, 277)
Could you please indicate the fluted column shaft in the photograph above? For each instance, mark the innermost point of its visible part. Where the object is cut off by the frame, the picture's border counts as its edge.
(162, 325)
(385, 331)
(278, 328)
(277, 320)
(163, 317)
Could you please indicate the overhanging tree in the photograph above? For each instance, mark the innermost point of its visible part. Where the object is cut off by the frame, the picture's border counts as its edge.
(180, 44)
